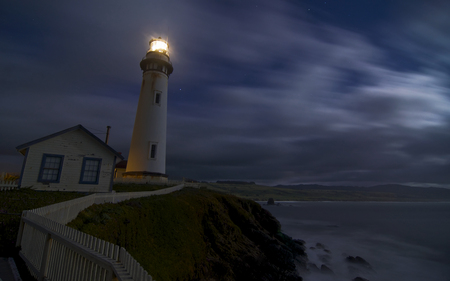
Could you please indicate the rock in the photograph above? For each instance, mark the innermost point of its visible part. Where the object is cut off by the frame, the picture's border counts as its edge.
(301, 264)
(267, 221)
(270, 201)
(313, 267)
(259, 236)
(320, 246)
(299, 246)
(326, 270)
(324, 258)
(358, 261)
(358, 265)
(299, 241)
(360, 279)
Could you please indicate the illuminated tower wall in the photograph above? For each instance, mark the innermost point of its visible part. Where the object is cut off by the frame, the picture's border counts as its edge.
(147, 157)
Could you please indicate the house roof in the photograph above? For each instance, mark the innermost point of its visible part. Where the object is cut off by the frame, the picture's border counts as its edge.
(22, 147)
(122, 164)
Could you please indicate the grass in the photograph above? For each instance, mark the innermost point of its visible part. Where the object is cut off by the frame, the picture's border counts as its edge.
(161, 228)
(168, 234)
(122, 187)
(13, 202)
(263, 193)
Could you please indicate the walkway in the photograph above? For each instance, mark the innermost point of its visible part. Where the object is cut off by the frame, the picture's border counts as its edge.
(5, 270)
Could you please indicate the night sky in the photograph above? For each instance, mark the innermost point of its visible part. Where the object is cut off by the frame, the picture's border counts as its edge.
(277, 92)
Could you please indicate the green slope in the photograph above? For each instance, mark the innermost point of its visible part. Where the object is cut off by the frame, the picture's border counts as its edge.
(197, 234)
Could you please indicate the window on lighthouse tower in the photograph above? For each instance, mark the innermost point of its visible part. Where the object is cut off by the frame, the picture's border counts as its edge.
(157, 98)
(152, 150)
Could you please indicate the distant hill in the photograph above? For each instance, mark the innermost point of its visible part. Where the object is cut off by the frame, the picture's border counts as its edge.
(314, 192)
(397, 191)
(236, 182)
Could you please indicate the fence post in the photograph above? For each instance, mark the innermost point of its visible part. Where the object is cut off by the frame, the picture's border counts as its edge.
(45, 258)
(109, 275)
(21, 226)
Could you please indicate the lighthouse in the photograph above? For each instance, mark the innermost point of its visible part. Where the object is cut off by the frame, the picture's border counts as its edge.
(147, 156)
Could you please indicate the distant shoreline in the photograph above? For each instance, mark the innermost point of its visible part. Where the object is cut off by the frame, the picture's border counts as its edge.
(319, 193)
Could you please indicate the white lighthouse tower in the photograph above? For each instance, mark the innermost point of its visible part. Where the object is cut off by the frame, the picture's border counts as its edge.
(147, 157)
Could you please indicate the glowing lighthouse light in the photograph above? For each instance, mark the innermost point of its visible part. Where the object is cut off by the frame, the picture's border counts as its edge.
(158, 45)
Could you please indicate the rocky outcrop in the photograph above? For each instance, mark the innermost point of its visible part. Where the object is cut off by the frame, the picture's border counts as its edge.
(358, 261)
(360, 279)
(326, 270)
(322, 262)
(358, 265)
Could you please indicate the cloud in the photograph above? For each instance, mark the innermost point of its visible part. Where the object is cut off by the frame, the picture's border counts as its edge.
(336, 111)
(422, 33)
(265, 93)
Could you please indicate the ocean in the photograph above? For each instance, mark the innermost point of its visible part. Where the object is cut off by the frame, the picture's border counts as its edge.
(400, 241)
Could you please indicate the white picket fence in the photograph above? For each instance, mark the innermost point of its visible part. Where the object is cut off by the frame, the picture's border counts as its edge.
(53, 251)
(8, 185)
(147, 181)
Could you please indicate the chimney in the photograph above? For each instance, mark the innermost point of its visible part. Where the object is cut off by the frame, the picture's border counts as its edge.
(107, 133)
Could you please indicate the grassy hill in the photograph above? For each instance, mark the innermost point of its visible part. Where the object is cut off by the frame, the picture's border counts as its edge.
(13, 202)
(195, 234)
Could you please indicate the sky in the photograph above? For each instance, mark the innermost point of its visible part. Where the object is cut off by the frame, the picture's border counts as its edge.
(338, 92)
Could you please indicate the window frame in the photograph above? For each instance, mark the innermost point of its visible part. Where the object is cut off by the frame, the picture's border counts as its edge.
(150, 145)
(83, 170)
(42, 168)
(155, 100)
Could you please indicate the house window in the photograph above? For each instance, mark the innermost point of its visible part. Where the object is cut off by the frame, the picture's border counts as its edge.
(157, 98)
(51, 168)
(90, 170)
(152, 150)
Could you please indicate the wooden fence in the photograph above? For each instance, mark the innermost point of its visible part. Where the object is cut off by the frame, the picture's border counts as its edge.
(146, 181)
(53, 251)
(8, 185)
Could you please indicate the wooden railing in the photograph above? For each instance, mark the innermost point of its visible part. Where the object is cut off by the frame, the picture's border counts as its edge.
(53, 251)
(8, 185)
(147, 181)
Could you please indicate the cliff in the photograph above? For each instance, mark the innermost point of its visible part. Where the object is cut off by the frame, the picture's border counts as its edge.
(198, 235)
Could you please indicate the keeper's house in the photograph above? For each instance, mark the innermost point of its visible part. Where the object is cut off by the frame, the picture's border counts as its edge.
(70, 160)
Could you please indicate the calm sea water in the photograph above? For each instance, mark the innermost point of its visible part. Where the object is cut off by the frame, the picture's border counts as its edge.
(401, 241)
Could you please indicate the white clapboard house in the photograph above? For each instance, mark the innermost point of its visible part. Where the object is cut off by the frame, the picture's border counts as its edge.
(70, 160)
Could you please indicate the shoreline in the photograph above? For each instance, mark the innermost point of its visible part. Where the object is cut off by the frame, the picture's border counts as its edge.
(347, 201)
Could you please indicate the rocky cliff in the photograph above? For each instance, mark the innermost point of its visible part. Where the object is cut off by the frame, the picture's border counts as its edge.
(198, 235)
